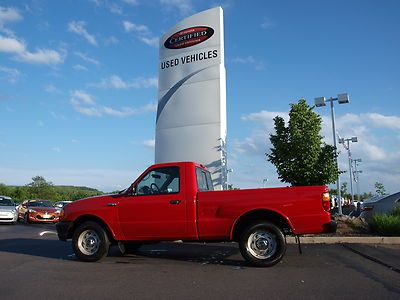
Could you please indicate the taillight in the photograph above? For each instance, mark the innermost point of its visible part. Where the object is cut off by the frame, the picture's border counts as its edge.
(326, 201)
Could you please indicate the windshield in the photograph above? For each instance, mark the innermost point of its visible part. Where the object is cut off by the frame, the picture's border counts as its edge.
(40, 204)
(6, 202)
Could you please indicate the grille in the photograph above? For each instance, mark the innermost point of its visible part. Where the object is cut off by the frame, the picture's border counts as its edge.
(41, 218)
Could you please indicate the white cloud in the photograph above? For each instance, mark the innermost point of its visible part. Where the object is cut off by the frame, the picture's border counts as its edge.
(154, 41)
(8, 15)
(249, 60)
(11, 45)
(51, 89)
(142, 32)
(378, 120)
(116, 82)
(79, 27)
(112, 40)
(96, 2)
(267, 23)
(9, 74)
(116, 9)
(56, 149)
(86, 58)
(131, 2)
(185, 7)
(131, 27)
(85, 104)
(81, 97)
(149, 143)
(79, 68)
(42, 56)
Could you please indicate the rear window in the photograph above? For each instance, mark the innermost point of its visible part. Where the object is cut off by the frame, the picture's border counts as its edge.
(204, 181)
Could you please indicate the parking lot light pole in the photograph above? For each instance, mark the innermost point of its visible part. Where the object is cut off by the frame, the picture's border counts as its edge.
(356, 176)
(319, 102)
(346, 145)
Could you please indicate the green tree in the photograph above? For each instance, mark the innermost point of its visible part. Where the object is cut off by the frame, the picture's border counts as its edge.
(343, 190)
(298, 153)
(380, 188)
(20, 193)
(41, 189)
(5, 190)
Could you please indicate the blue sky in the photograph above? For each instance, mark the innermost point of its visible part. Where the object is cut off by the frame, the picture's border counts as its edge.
(78, 84)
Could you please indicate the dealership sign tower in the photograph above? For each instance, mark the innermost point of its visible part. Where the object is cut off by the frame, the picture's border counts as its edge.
(191, 113)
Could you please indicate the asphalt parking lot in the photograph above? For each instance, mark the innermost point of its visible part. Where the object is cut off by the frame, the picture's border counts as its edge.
(34, 264)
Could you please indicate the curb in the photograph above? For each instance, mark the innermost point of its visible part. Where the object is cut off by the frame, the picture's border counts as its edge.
(346, 240)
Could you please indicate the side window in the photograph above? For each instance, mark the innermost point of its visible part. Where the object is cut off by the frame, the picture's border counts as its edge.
(204, 182)
(159, 181)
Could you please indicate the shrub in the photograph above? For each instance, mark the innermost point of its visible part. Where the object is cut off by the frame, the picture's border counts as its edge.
(396, 211)
(386, 224)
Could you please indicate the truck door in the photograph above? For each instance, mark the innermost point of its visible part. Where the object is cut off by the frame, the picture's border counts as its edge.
(156, 208)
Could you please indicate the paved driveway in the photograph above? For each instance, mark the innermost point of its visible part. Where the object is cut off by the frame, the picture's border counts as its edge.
(41, 267)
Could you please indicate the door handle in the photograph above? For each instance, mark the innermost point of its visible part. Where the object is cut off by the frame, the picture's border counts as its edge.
(111, 204)
(174, 201)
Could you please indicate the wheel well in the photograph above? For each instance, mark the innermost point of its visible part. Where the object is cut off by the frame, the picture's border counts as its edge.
(260, 215)
(92, 218)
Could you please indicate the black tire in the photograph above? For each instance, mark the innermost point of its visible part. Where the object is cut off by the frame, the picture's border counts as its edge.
(262, 244)
(90, 242)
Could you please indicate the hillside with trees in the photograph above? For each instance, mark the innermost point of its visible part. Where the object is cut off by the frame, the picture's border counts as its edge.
(39, 188)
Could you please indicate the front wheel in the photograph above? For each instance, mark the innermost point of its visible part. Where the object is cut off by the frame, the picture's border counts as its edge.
(262, 244)
(90, 242)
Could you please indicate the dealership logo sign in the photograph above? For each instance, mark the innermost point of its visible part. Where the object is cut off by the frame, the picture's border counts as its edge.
(189, 37)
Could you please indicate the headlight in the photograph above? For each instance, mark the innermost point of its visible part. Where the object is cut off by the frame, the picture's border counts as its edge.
(31, 210)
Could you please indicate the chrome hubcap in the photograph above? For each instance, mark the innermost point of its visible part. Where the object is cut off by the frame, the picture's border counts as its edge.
(262, 244)
(89, 242)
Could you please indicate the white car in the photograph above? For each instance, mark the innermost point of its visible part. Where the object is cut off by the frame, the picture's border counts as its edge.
(8, 212)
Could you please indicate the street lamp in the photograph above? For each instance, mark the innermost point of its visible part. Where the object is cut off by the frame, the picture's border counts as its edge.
(319, 102)
(346, 145)
(265, 181)
(356, 176)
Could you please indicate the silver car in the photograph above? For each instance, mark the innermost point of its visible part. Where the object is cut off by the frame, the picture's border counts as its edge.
(379, 205)
(8, 212)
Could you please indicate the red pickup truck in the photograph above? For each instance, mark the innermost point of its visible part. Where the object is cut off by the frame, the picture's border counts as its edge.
(176, 201)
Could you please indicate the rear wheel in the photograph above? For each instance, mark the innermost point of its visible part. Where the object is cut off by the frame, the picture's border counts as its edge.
(262, 244)
(90, 242)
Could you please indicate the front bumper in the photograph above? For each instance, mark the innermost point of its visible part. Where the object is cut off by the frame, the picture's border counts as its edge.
(330, 227)
(64, 230)
(42, 218)
(8, 217)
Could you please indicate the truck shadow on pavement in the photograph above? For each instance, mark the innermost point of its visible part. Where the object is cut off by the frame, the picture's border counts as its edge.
(214, 254)
(37, 247)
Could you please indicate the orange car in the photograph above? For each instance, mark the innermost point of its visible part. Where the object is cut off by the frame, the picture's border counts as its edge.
(37, 211)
